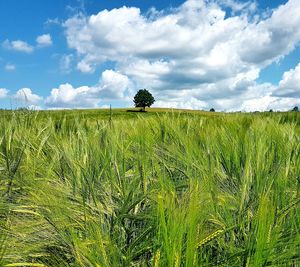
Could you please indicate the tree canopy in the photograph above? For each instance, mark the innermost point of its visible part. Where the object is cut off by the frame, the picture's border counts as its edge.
(143, 99)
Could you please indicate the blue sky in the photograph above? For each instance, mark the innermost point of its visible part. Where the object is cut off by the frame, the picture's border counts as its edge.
(227, 54)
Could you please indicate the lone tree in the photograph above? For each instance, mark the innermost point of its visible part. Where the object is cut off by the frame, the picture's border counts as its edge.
(295, 109)
(212, 110)
(143, 99)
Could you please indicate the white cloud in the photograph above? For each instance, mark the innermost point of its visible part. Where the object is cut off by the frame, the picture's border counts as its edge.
(289, 86)
(269, 102)
(247, 95)
(112, 85)
(44, 40)
(9, 67)
(22, 46)
(194, 50)
(85, 67)
(18, 45)
(181, 103)
(65, 63)
(66, 96)
(262, 97)
(25, 96)
(3, 92)
(54, 21)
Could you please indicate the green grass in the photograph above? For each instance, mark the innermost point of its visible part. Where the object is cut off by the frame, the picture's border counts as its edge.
(162, 188)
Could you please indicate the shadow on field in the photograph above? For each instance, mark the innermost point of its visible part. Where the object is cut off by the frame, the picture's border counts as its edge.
(133, 110)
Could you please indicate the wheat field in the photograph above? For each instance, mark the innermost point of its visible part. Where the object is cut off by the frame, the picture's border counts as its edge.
(154, 189)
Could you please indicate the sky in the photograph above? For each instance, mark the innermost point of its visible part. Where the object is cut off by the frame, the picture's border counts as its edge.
(228, 55)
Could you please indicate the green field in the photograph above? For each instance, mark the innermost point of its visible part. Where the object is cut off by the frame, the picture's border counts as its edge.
(162, 188)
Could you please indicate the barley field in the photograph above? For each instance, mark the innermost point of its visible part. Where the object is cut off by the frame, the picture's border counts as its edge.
(162, 188)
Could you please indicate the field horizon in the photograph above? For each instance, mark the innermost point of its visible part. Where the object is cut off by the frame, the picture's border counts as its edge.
(149, 109)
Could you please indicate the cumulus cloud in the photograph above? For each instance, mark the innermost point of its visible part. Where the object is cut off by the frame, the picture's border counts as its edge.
(181, 103)
(269, 102)
(265, 96)
(25, 96)
(194, 56)
(195, 49)
(85, 67)
(289, 86)
(247, 95)
(66, 96)
(44, 40)
(112, 85)
(22, 46)
(9, 67)
(197, 34)
(18, 45)
(3, 92)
